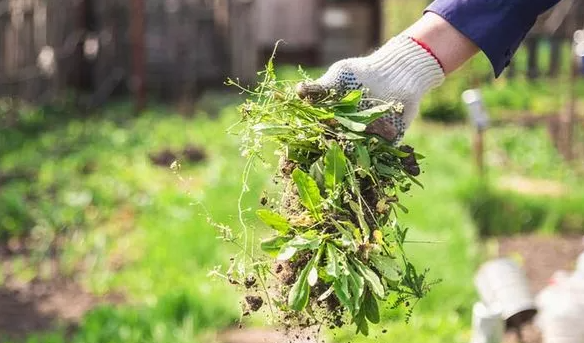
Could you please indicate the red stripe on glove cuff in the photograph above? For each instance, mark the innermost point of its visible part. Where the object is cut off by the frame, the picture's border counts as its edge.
(427, 48)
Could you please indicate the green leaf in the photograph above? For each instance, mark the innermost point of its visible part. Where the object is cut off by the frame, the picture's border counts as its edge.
(402, 207)
(352, 136)
(363, 158)
(369, 115)
(353, 98)
(313, 273)
(350, 124)
(273, 245)
(286, 252)
(419, 156)
(319, 113)
(361, 323)
(332, 261)
(304, 147)
(387, 266)
(270, 70)
(341, 286)
(351, 180)
(308, 192)
(342, 229)
(370, 277)
(311, 234)
(358, 210)
(355, 231)
(299, 153)
(395, 152)
(299, 243)
(347, 234)
(317, 172)
(357, 287)
(414, 180)
(335, 166)
(385, 170)
(304, 108)
(274, 220)
(349, 102)
(300, 291)
(306, 241)
(371, 308)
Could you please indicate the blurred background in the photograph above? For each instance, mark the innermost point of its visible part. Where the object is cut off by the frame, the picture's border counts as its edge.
(101, 241)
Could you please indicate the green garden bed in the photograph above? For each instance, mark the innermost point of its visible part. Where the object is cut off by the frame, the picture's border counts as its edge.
(504, 212)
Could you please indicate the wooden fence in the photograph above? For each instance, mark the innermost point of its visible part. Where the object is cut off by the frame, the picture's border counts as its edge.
(38, 47)
(556, 28)
(101, 48)
(50, 46)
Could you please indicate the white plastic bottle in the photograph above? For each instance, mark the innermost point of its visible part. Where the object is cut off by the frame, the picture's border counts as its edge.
(487, 325)
(580, 266)
(561, 309)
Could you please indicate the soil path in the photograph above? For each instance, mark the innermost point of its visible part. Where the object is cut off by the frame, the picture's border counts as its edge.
(543, 255)
(41, 305)
(267, 336)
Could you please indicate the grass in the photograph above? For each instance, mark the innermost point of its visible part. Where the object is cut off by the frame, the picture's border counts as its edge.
(127, 212)
(502, 97)
(553, 201)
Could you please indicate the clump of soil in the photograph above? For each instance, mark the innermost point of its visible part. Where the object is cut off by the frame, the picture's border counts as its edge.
(254, 302)
(331, 307)
(163, 158)
(409, 162)
(194, 154)
(285, 272)
(166, 157)
(249, 282)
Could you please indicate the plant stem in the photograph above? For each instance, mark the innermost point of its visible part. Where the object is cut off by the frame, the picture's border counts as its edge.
(244, 189)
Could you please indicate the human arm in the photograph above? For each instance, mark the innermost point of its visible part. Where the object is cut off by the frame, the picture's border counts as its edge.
(445, 37)
(497, 27)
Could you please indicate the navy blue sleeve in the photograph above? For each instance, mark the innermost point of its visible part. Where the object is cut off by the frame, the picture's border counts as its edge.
(497, 27)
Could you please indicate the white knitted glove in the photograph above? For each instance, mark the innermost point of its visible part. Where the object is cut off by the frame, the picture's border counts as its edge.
(402, 70)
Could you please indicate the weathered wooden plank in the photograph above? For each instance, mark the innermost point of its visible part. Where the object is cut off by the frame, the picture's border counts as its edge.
(184, 44)
(55, 16)
(3, 28)
(138, 54)
(532, 44)
(555, 55)
(296, 22)
(188, 41)
(243, 40)
(347, 30)
(28, 84)
(112, 66)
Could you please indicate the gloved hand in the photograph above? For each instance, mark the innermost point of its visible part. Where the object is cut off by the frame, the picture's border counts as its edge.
(403, 70)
